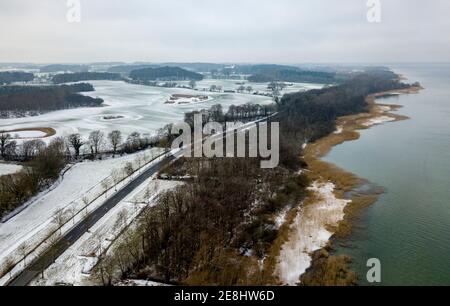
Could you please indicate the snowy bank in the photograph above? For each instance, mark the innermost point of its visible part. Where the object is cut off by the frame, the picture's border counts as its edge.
(310, 232)
(6, 169)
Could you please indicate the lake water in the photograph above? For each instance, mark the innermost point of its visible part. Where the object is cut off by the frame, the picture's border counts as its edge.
(408, 229)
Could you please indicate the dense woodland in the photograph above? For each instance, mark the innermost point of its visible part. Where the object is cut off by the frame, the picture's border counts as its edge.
(85, 76)
(165, 74)
(9, 77)
(33, 100)
(216, 228)
(298, 76)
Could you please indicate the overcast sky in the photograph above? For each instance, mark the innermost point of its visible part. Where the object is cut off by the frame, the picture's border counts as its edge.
(279, 31)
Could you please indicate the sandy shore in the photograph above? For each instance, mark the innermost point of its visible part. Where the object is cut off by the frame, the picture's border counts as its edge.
(327, 214)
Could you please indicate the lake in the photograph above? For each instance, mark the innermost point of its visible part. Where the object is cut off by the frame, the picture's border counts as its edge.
(408, 228)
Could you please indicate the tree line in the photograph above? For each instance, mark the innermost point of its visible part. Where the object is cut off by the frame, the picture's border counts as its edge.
(85, 76)
(164, 74)
(32, 100)
(9, 77)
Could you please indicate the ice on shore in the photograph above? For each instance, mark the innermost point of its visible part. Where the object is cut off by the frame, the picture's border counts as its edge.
(31, 134)
(339, 130)
(310, 232)
(6, 169)
(378, 120)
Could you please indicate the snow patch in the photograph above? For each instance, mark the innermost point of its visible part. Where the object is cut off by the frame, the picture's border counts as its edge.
(310, 232)
(6, 169)
(378, 120)
(339, 130)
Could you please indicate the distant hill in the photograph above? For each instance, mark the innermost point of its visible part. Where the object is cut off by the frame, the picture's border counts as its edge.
(85, 76)
(281, 73)
(262, 69)
(126, 69)
(15, 76)
(197, 67)
(294, 76)
(18, 101)
(165, 74)
(61, 67)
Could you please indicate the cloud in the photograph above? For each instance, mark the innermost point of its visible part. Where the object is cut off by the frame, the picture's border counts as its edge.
(290, 31)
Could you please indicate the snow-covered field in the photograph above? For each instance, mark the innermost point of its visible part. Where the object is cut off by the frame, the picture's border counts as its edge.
(74, 266)
(6, 169)
(143, 108)
(83, 181)
(310, 232)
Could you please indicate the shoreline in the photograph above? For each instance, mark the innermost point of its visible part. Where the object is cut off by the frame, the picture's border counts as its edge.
(325, 268)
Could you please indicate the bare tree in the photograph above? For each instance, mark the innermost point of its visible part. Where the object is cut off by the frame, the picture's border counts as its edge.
(249, 89)
(76, 143)
(31, 148)
(192, 84)
(86, 201)
(4, 141)
(105, 186)
(23, 252)
(115, 175)
(128, 170)
(115, 138)
(60, 219)
(71, 212)
(122, 219)
(7, 267)
(96, 139)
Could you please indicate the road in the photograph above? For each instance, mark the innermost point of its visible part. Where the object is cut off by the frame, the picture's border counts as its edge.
(48, 258)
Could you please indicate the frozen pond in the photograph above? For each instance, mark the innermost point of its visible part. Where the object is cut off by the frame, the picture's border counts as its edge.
(131, 108)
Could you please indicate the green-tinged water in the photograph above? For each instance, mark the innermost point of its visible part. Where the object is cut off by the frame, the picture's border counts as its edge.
(408, 228)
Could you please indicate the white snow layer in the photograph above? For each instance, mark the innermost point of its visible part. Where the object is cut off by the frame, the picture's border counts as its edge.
(6, 169)
(310, 233)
